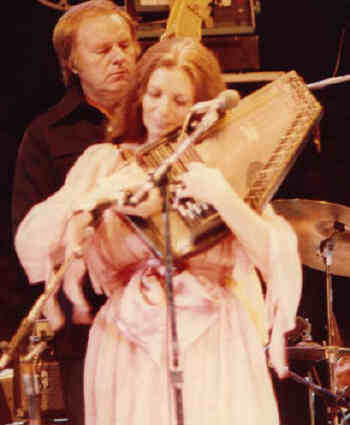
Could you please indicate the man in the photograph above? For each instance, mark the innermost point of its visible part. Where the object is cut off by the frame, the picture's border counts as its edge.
(96, 45)
(97, 50)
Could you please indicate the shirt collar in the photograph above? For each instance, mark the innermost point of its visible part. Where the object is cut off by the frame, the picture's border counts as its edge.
(74, 106)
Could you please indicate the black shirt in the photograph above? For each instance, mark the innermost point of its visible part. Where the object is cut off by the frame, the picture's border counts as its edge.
(49, 148)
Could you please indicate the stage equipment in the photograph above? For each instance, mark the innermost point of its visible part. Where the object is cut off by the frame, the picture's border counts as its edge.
(314, 223)
(226, 27)
(235, 53)
(36, 383)
(185, 17)
(27, 323)
(254, 145)
(324, 238)
(315, 352)
(7, 394)
(33, 386)
(229, 25)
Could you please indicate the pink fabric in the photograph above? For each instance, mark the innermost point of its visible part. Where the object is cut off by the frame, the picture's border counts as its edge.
(226, 379)
(221, 351)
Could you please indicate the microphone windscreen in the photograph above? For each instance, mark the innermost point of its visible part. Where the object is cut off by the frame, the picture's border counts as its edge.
(228, 99)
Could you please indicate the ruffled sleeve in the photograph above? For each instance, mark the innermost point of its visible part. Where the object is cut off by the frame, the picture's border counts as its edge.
(284, 285)
(282, 274)
(42, 229)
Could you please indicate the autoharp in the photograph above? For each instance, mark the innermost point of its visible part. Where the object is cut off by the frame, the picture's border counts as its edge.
(254, 146)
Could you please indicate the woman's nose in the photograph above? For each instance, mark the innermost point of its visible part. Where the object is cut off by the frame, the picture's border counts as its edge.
(164, 105)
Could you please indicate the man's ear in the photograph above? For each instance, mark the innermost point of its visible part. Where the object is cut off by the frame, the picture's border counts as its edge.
(71, 64)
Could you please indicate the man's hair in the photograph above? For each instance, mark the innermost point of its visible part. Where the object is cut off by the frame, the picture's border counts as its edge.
(66, 29)
(184, 53)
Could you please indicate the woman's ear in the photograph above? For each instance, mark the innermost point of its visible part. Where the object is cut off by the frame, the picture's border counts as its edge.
(137, 50)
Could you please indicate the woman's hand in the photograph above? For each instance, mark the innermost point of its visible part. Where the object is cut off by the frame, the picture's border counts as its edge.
(203, 183)
(149, 205)
(115, 189)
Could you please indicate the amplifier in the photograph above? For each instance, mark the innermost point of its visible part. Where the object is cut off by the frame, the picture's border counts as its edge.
(48, 377)
(228, 17)
(235, 53)
(13, 394)
(35, 379)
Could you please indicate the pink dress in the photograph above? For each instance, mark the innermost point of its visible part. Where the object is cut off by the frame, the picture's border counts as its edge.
(222, 318)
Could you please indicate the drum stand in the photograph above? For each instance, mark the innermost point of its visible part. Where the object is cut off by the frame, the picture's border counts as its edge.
(332, 399)
(326, 252)
(320, 226)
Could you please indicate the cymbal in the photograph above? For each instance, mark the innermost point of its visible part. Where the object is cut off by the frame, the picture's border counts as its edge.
(314, 352)
(313, 222)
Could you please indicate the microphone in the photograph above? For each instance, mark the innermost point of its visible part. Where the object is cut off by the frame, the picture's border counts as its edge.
(226, 100)
(202, 116)
(208, 112)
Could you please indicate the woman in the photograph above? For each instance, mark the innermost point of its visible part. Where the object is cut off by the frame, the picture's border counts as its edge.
(219, 305)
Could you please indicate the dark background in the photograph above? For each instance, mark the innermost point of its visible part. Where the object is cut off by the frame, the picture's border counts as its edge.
(304, 35)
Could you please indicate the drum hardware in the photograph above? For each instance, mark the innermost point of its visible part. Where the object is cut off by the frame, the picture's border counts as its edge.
(311, 398)
(301, 331)
(314, 223)
(338, 403)
(333, 400)
(324, 244)
(315, 352)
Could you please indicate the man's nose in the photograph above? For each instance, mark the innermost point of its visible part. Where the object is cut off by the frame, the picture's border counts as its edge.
(117, 54)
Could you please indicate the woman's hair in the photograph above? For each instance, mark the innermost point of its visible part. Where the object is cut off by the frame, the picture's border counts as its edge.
(66, 29)
(187, 54)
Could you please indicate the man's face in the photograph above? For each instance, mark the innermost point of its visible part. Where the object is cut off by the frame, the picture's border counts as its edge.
(104, 56)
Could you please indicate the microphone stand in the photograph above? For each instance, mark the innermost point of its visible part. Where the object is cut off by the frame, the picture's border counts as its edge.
(174, 372)
(35, 312)
(203, 122)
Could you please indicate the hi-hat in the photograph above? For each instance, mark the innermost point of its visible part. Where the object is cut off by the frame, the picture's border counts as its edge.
(314, 222)
(311, 351)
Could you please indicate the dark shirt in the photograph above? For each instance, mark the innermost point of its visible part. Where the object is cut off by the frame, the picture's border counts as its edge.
(49, 148)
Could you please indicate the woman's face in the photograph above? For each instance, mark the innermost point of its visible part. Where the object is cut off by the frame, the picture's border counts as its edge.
(168, 98)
